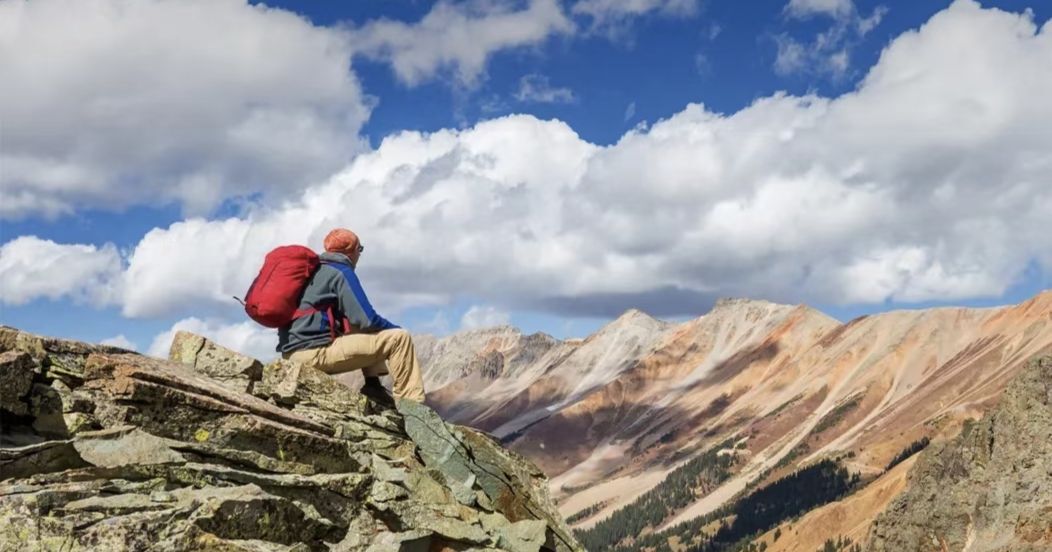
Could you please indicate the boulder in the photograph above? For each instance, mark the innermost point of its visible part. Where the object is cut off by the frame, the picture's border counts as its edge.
(215, 451)
(16, 378)
(229, 368)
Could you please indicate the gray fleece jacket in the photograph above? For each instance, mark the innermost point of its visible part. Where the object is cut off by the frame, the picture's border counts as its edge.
(333, 284)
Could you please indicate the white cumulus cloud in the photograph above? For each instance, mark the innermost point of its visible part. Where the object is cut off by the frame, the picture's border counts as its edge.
(928, 182)
(121, 341)
(110, 103)
(32, 268)
(440, 203)
(484, 316)
(459, 37)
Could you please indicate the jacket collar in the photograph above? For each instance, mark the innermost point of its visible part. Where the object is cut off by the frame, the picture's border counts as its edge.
(339, 258)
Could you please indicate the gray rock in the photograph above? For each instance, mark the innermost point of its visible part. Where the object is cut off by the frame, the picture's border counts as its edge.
(440, 450)
(162, 496)
(48, 456)
(990, 488)
(408, 541)
(385, 471)
(124, 446)
(16, 378)
(227, 367)
(48, 410)
(528, 535)
(383, 491)
(427, 489)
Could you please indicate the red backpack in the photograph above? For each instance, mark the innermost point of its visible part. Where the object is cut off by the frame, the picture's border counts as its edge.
(273, 298)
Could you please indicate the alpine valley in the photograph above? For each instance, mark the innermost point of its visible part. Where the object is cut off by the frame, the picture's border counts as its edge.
(761, 426)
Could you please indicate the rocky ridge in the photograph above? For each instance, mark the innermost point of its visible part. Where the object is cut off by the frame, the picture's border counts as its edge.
(103, 449)
(485, 354)
(990, 488)
(540, 375)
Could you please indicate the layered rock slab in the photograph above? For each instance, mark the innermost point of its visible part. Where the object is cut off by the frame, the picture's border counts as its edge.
(217, 452)
(233, 370)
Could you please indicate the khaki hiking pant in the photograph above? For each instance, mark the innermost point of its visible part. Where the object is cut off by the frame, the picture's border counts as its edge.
(368, 352)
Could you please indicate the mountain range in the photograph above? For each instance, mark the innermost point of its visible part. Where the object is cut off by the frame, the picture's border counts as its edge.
(653, 433)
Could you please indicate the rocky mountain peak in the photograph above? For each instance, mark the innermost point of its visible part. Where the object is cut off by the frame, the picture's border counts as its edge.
(634, 319)
(744, 312)
(483, 352)
(102, 449)
(500, 329)
(634, 313)
(730, 304)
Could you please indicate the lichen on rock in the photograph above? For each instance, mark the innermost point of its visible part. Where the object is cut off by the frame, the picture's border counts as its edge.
(103, 449)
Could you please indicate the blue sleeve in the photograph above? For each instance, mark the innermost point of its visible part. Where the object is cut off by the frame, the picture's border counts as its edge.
(355, 305)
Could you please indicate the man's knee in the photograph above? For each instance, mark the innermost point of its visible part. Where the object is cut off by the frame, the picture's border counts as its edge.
(398, 335)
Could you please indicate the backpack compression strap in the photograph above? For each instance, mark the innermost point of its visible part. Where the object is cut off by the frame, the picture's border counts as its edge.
(345, 324)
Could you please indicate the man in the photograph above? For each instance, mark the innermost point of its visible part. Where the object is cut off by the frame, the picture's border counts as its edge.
(344, 333)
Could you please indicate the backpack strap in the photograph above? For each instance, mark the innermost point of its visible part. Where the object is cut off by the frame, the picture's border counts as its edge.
(330, 312)
(345, 323)
(300, 313)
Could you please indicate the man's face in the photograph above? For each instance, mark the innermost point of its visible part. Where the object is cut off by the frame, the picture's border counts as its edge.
(355, 252)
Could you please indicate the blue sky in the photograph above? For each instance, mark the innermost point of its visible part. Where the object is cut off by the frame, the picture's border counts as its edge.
(527, 135)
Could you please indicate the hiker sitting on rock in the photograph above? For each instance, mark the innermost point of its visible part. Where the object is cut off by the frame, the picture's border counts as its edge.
(360, 338)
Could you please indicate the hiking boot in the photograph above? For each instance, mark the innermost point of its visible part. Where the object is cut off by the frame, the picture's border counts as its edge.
(376, 392)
